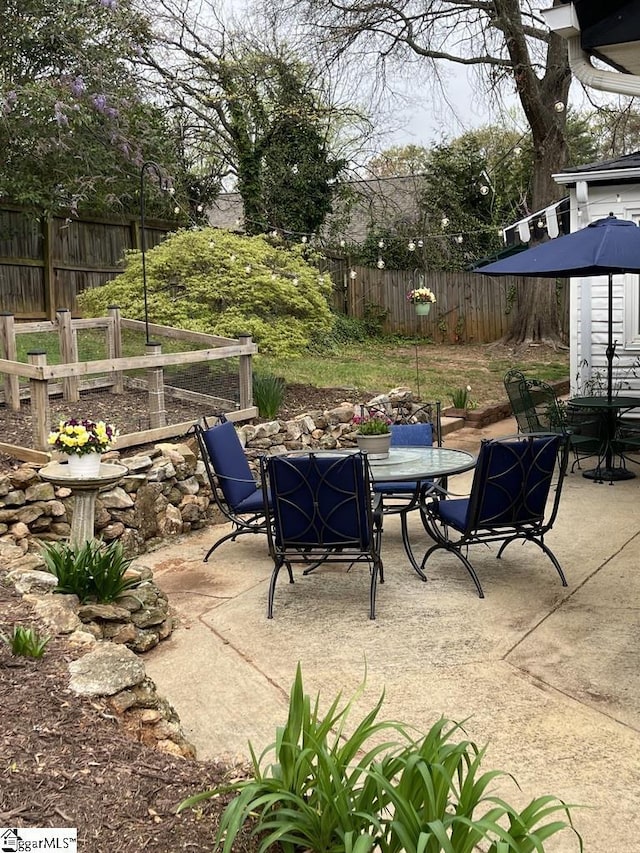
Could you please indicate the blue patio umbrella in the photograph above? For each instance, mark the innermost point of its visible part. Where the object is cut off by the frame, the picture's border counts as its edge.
(607, 246)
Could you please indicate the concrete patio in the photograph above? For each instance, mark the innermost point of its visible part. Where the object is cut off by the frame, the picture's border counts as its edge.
(547, 676)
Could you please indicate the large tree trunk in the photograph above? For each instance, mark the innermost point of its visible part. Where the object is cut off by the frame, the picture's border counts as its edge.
(544, 100)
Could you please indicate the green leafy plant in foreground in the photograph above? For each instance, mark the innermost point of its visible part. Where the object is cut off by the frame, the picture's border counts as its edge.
(25, 642)
(268, 394)
(331, 792)
(91, 571)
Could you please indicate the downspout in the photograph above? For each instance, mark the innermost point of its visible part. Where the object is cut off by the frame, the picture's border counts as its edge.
(605, 81)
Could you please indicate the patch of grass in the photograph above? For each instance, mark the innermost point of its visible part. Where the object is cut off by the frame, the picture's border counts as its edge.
(435, 370)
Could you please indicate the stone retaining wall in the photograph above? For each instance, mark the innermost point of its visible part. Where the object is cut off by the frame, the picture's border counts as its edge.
(165, 492)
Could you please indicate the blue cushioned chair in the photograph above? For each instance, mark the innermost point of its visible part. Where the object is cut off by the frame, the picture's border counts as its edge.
(508, 499)
(233, 486)
(402, 497)
(321, 511)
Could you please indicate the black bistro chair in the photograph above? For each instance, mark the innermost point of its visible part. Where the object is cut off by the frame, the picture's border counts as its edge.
(321, 511)
(508, 499)
(536, 408)
(233, 486)
(403, 497)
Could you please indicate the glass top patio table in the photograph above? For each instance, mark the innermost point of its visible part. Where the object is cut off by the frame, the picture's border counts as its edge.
(421, 463)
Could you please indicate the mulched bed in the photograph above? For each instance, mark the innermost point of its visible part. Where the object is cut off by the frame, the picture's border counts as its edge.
(66, 761)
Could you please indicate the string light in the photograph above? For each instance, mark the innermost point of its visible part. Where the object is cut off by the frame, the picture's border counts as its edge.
(484, 190)
(459, 238)
(381, 244)
(343, 243)
(199, 208)
(353, 275)
(303, 238)
(176, 209)
(420, 244)
(558, 107)
(444, 221)
(380, 264)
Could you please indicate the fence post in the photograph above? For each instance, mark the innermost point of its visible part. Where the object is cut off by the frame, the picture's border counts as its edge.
(114, 346)
(40, 416)
(68, 353)
(155, 383)
(10, 352)
(245, 375)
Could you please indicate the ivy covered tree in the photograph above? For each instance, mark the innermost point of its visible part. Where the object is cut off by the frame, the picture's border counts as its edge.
(265, 117)
(225, 284)
(75, 128)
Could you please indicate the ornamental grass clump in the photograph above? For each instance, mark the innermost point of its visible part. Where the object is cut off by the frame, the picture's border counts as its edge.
(25, 642)
(92, 571)
(268, 394)
(379, 787)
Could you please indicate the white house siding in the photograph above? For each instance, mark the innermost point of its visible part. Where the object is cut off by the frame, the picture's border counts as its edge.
(589, 298)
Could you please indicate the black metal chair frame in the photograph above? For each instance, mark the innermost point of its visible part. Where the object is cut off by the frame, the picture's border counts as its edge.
(536, 408)
(254, 521)
(332, 545)
(405, 502)
(509, 527)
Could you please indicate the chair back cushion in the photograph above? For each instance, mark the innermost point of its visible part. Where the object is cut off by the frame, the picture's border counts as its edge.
(512, 481)
(320, 500)
(411, 435)
(229, 463)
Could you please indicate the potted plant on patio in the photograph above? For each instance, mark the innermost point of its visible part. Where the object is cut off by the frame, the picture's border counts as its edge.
(83, 441)
(374, 433)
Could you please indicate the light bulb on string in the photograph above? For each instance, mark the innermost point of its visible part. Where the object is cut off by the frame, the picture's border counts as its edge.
(176, 209)
(420, 243)
(381, 244)
(199, 208)
(171, 190)
(380, 264)
(303, 239)
(444, 221)
(459, 238)
(353, 274)
(517, 151)
(540, 223)
(411, 246)
(343, 243)
(558, 107)
(484, 190)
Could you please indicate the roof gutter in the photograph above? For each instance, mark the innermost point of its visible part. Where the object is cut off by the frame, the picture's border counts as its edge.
(564, 21)
(605, 81)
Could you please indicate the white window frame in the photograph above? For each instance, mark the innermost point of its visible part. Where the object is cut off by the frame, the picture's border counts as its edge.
(631, 317)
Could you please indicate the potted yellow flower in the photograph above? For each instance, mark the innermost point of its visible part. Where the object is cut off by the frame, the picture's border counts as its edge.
(83, 441)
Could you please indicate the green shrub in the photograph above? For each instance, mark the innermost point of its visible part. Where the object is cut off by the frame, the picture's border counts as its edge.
(91, 571)
(226, 284)
(25, 642)
(331, 792)
(268, 394)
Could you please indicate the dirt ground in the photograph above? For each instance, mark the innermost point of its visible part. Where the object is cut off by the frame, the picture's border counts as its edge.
(64, 760)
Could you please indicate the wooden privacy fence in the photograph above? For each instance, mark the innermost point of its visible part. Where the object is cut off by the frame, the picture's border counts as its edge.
(45, 261)
(71, 377)
(470, 308)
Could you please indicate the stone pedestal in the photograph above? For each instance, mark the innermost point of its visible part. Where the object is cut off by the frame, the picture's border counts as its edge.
(85, 492)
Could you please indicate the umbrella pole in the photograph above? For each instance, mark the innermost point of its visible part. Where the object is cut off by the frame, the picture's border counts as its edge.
(611, 347)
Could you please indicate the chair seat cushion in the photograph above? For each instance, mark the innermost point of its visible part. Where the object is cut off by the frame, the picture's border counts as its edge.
(453, 512)
(252, 503)
(396, 487)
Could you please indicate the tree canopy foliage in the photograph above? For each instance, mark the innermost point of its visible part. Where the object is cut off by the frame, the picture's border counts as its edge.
(75, 125)
(226, 284)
